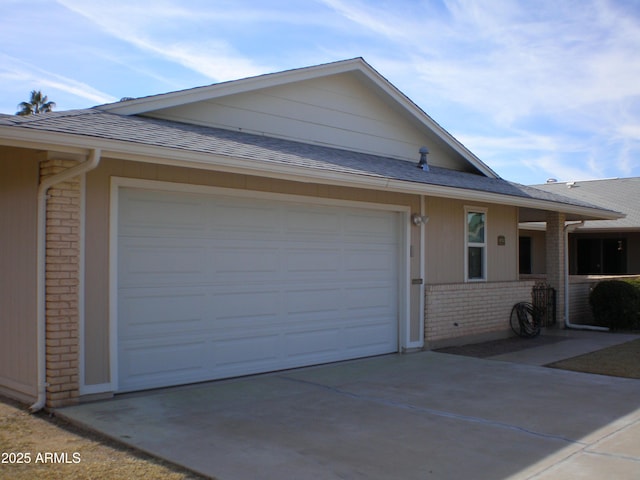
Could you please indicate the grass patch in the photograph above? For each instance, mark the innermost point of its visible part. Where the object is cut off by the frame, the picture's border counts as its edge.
(80, 454)
(618, 361)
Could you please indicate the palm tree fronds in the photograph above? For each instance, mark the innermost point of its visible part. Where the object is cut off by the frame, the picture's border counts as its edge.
(37, 103)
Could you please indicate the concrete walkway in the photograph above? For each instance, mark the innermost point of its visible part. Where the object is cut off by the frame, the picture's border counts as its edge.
(574, 343)
(415, 416)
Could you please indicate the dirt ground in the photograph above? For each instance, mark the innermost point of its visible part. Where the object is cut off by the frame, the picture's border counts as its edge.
(619, 361)
(46, 448)
(43, 447)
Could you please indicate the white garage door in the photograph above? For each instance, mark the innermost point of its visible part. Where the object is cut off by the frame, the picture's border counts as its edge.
(214, 286)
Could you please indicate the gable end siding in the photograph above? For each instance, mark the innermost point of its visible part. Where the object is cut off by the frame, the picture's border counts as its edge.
(338, 111)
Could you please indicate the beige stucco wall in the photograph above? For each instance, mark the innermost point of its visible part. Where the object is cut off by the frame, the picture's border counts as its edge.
(96, 315)
(445, 242)
(18, 211)
(444, 247)
(19, 171)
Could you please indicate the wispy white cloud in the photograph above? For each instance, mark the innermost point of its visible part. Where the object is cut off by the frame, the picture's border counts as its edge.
(564, 72)
(550, 155)
(152, 26)
(513, 58)
(30, 74)
(530, 87)
(559, 168)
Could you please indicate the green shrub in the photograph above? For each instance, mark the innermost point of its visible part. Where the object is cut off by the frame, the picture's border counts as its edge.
(616, 304)
(634, 281)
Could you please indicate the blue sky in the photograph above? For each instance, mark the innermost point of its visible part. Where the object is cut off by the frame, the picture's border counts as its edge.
(535, 88)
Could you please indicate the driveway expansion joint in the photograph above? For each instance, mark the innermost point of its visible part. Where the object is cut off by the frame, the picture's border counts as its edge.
(438, 413)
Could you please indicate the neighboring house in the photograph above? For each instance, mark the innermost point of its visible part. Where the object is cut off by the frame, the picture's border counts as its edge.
(597, 249)
(610, 247)
(249, 226)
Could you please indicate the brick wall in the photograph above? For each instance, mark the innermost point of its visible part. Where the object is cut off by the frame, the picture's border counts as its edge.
(555, 261)
(464, 312)
(62, 283)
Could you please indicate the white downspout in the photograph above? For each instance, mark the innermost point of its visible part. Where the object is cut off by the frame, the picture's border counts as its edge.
(422, 270)
(41, 362)
(567, 324)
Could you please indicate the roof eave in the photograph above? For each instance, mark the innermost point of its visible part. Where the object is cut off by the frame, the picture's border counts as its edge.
(70, 143)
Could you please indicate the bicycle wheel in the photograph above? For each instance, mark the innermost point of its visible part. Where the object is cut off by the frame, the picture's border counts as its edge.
(524, 321)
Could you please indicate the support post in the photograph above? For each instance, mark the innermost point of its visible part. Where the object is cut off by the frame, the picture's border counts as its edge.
(555, 258)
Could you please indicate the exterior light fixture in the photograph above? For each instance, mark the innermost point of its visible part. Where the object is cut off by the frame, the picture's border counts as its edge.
(419, 219)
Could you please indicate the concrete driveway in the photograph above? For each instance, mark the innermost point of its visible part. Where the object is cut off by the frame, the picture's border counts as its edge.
(416, 416)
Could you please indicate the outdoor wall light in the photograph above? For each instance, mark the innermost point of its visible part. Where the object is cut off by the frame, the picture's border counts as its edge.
(419, 219)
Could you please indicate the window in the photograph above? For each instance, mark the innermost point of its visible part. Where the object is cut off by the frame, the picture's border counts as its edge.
(602, 256)
(525, 257)
(476, 244)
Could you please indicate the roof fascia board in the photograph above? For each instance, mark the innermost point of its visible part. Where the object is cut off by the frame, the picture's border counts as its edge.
(298, 174)
(172, 99)
(589, 229)
(184, 158)
(60, 142)
(541, 226)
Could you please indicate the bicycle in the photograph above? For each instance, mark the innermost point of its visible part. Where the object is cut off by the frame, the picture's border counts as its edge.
(525, 320)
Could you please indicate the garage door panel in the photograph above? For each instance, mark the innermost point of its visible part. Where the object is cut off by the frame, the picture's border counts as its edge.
(229, 260)
(370, 299)
(167, 312)
(370, 224)
(165, 260)
(248, 350)
(311, 343)
(369, 337)
(312, 300)
(161, 212)
(311, 221)
(227, 307)
(376, 262)
(325, 260)
(147, 366)
(242, 216)
(256, 286)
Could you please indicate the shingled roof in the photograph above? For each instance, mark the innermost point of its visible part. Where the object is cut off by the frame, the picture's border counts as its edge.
(264, 151)
(619, 194)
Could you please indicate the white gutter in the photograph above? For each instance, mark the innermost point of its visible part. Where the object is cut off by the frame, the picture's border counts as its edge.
(567, 323)
(91, 163)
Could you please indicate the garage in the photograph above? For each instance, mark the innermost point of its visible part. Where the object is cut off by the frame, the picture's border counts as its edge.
(214, 284)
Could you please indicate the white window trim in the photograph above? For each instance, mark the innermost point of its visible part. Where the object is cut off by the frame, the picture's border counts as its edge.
(467, 244)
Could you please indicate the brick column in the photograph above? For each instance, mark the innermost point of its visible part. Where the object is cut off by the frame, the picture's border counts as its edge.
(555, 260)
(62, 285)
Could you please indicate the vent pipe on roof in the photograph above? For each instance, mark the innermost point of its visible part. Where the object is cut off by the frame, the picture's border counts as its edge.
(424, 151)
